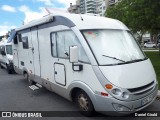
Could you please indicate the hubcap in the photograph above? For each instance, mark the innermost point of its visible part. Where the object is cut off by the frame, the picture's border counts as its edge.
(83, 102)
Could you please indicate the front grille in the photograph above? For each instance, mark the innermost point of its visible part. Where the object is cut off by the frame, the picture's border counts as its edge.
(143, 88)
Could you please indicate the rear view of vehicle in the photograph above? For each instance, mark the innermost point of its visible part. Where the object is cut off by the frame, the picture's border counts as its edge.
(149, 45)
(6, 56)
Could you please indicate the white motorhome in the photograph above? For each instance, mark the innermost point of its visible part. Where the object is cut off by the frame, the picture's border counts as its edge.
(6, 56)
(94, 61)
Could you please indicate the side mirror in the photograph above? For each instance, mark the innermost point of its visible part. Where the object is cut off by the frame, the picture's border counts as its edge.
(73, 54)
(73, 57)
(3, 53)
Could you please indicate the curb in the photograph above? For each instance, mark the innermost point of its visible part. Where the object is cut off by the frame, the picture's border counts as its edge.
(158, 94)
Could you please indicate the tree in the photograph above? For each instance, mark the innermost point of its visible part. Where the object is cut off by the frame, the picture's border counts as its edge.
(138, 15)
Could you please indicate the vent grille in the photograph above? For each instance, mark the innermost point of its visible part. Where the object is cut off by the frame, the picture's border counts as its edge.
(141, 88)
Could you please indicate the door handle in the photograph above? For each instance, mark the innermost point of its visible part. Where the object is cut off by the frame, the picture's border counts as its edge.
(55, 72)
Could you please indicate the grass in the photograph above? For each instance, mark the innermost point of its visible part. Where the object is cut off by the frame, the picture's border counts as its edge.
(155, 59)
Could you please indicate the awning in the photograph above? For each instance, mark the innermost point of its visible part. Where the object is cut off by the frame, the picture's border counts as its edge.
(11, 37)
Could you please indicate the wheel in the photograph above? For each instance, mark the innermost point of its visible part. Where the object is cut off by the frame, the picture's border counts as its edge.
(8, 70)
(30, 82)
(1, 66)
(84, 103)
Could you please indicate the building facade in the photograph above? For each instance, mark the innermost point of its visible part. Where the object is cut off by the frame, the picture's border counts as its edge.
(89, 6)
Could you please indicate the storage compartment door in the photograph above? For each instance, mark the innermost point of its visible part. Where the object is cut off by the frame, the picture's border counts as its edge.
(60, 74)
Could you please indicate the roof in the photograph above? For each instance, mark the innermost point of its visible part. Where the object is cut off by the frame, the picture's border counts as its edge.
(80, 21)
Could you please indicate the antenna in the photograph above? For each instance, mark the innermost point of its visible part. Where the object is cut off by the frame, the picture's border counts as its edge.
(81, 16)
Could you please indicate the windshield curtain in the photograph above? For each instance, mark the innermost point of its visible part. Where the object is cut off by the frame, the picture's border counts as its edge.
(9, 49)
(113, 46)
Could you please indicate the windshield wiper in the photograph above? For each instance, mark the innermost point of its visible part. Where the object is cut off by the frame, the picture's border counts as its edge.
(137, 60)
(113, 58)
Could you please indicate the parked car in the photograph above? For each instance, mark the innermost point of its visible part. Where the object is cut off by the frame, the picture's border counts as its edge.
(149, 45)
(6, 56)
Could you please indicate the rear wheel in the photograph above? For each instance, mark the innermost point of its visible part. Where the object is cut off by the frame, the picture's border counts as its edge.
(8, 70)
(30, 82)
(1, 66)
(84, 103)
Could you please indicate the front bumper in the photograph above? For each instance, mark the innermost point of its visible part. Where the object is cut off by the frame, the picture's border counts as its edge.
(106, 105)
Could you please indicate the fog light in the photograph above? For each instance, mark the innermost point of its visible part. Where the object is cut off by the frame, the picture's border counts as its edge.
(125, 95)
(121, 108)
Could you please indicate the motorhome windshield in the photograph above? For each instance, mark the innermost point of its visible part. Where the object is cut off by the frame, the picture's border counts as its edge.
(9, 49)
(112, 47)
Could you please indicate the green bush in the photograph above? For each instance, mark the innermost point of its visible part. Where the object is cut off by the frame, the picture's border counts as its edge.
(155, 59)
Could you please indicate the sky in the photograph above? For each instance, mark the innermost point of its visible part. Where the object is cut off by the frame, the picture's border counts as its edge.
(13, 13)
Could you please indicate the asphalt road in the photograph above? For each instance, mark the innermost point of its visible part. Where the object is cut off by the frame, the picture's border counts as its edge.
(15, 95)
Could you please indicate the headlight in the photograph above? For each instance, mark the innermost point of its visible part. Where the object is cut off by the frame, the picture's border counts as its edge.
(116, 91)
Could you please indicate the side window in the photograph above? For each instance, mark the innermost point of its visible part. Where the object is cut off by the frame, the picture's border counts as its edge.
(60, 43)
(25, 42)
(19, 37)
(53, 45)
(70, 40)
(0, 49)
(15, 40)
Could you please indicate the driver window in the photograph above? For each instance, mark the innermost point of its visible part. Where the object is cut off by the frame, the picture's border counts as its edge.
(60, 43)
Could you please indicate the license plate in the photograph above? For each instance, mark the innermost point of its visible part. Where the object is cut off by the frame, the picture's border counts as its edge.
(146, 100)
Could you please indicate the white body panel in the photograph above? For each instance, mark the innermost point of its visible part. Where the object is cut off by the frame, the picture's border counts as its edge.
(130, 75)
(56, 73)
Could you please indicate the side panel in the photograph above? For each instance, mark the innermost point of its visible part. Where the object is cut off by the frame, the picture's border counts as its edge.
(15, 59)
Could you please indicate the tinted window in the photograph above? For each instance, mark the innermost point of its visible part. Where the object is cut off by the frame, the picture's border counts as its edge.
(19, 37)
(25, 42)
(9, 49)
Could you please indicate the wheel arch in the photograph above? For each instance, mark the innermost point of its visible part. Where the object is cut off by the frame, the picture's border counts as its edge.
(79, 85)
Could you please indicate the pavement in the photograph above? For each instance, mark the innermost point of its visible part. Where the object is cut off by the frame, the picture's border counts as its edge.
(151, 50)
(158, 95)
(15, 95)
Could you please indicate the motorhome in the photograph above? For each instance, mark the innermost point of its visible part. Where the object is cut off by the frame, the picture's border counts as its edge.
(6, 56)
(91, 60)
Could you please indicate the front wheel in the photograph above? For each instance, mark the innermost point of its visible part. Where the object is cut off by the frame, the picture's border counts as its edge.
(1, 66)
(84, 103)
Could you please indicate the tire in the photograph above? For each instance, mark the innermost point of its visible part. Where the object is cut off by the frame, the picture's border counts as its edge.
(30, 82)
(8, 70)
(1, 66)
(84, 103)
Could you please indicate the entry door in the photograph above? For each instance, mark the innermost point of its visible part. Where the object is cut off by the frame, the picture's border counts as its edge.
(35, 51)
(60, 73)
(15, 59)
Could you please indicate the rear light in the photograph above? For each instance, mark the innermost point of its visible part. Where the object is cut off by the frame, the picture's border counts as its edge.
(109, 86)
